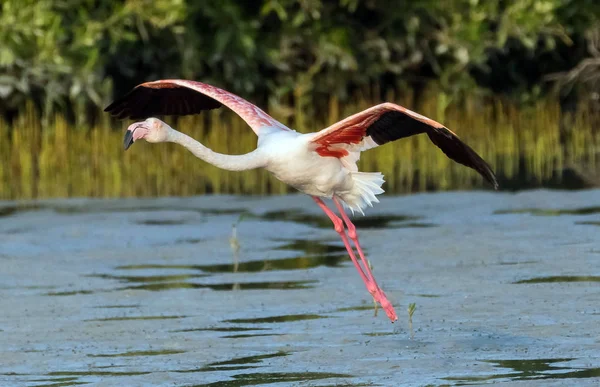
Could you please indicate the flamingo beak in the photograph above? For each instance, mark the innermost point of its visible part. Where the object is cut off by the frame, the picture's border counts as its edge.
(132, 136)
(128, 141)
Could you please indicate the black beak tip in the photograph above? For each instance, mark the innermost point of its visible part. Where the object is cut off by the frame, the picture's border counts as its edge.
(128, 140)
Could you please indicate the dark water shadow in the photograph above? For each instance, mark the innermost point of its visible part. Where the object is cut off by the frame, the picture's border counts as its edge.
(148, 278)
(377, 334)
(529, 369)
(116, 306)
(315, 254)
(19, 230)
(355, 308)
(223, 329)
(551, 212)
(561, 278)
(256, 379)
(140, 353)
(189, 241)
(57, 382)
(224, 211)
(74, 292)
(254, 331)
(510, 263)
(276, 319)
(236, 364)
(106, 208)
(73, 378)
(162, 222)
(309, 246)
(296, 263)
(33, 287)
(322, 221)
(227, 286)
(10, 210)
(589, 223)
(97, 373)
(89, 208)
(415, 225)
(134, 318)
(250, 335)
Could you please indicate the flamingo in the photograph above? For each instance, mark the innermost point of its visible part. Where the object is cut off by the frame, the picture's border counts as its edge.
(322, 164)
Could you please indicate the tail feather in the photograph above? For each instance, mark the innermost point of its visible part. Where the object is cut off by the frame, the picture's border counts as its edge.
(366, 186)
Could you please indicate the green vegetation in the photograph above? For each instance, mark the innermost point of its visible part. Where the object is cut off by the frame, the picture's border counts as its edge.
(484, 68)
(67, 55)
(523, 145)
(411, 310)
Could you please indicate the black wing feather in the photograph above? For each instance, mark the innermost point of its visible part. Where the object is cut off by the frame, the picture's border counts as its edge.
(143, 102)
(394, 125)
(460, 152)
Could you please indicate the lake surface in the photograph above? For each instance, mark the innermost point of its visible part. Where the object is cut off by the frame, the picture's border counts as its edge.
(152, 292)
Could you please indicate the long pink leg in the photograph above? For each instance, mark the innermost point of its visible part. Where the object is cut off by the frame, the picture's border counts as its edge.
(379, 295)
(354, 236)
(368, 279)
(338, 225)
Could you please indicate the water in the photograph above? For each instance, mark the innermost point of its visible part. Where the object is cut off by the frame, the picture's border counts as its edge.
(150, 291)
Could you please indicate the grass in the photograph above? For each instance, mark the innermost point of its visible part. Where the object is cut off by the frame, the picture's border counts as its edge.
(60, 160)
(411, 310)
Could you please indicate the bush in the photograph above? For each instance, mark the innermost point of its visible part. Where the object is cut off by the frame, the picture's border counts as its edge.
(72, 55)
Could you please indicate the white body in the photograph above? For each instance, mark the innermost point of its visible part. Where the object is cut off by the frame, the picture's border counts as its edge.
(290, 157)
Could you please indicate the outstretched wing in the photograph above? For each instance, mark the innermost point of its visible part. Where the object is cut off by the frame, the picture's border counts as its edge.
(389, 122)
(178, 97)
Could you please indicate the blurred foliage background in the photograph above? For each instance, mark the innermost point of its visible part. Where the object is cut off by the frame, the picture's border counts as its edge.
(309, 62)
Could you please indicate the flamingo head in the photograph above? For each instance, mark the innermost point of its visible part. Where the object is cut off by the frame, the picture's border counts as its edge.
(152, 130)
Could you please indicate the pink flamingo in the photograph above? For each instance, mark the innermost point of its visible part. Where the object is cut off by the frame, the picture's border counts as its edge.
(321, 164)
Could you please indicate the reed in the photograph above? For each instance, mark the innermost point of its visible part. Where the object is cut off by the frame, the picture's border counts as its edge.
(59, 160)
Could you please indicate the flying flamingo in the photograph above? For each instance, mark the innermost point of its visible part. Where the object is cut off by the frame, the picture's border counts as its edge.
(320, 164)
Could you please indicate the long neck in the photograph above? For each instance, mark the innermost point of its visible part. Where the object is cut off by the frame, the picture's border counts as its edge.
(252, 160)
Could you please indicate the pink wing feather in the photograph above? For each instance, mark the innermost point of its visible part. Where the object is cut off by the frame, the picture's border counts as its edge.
(389, 122)
(182, 97)
(355, 129)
